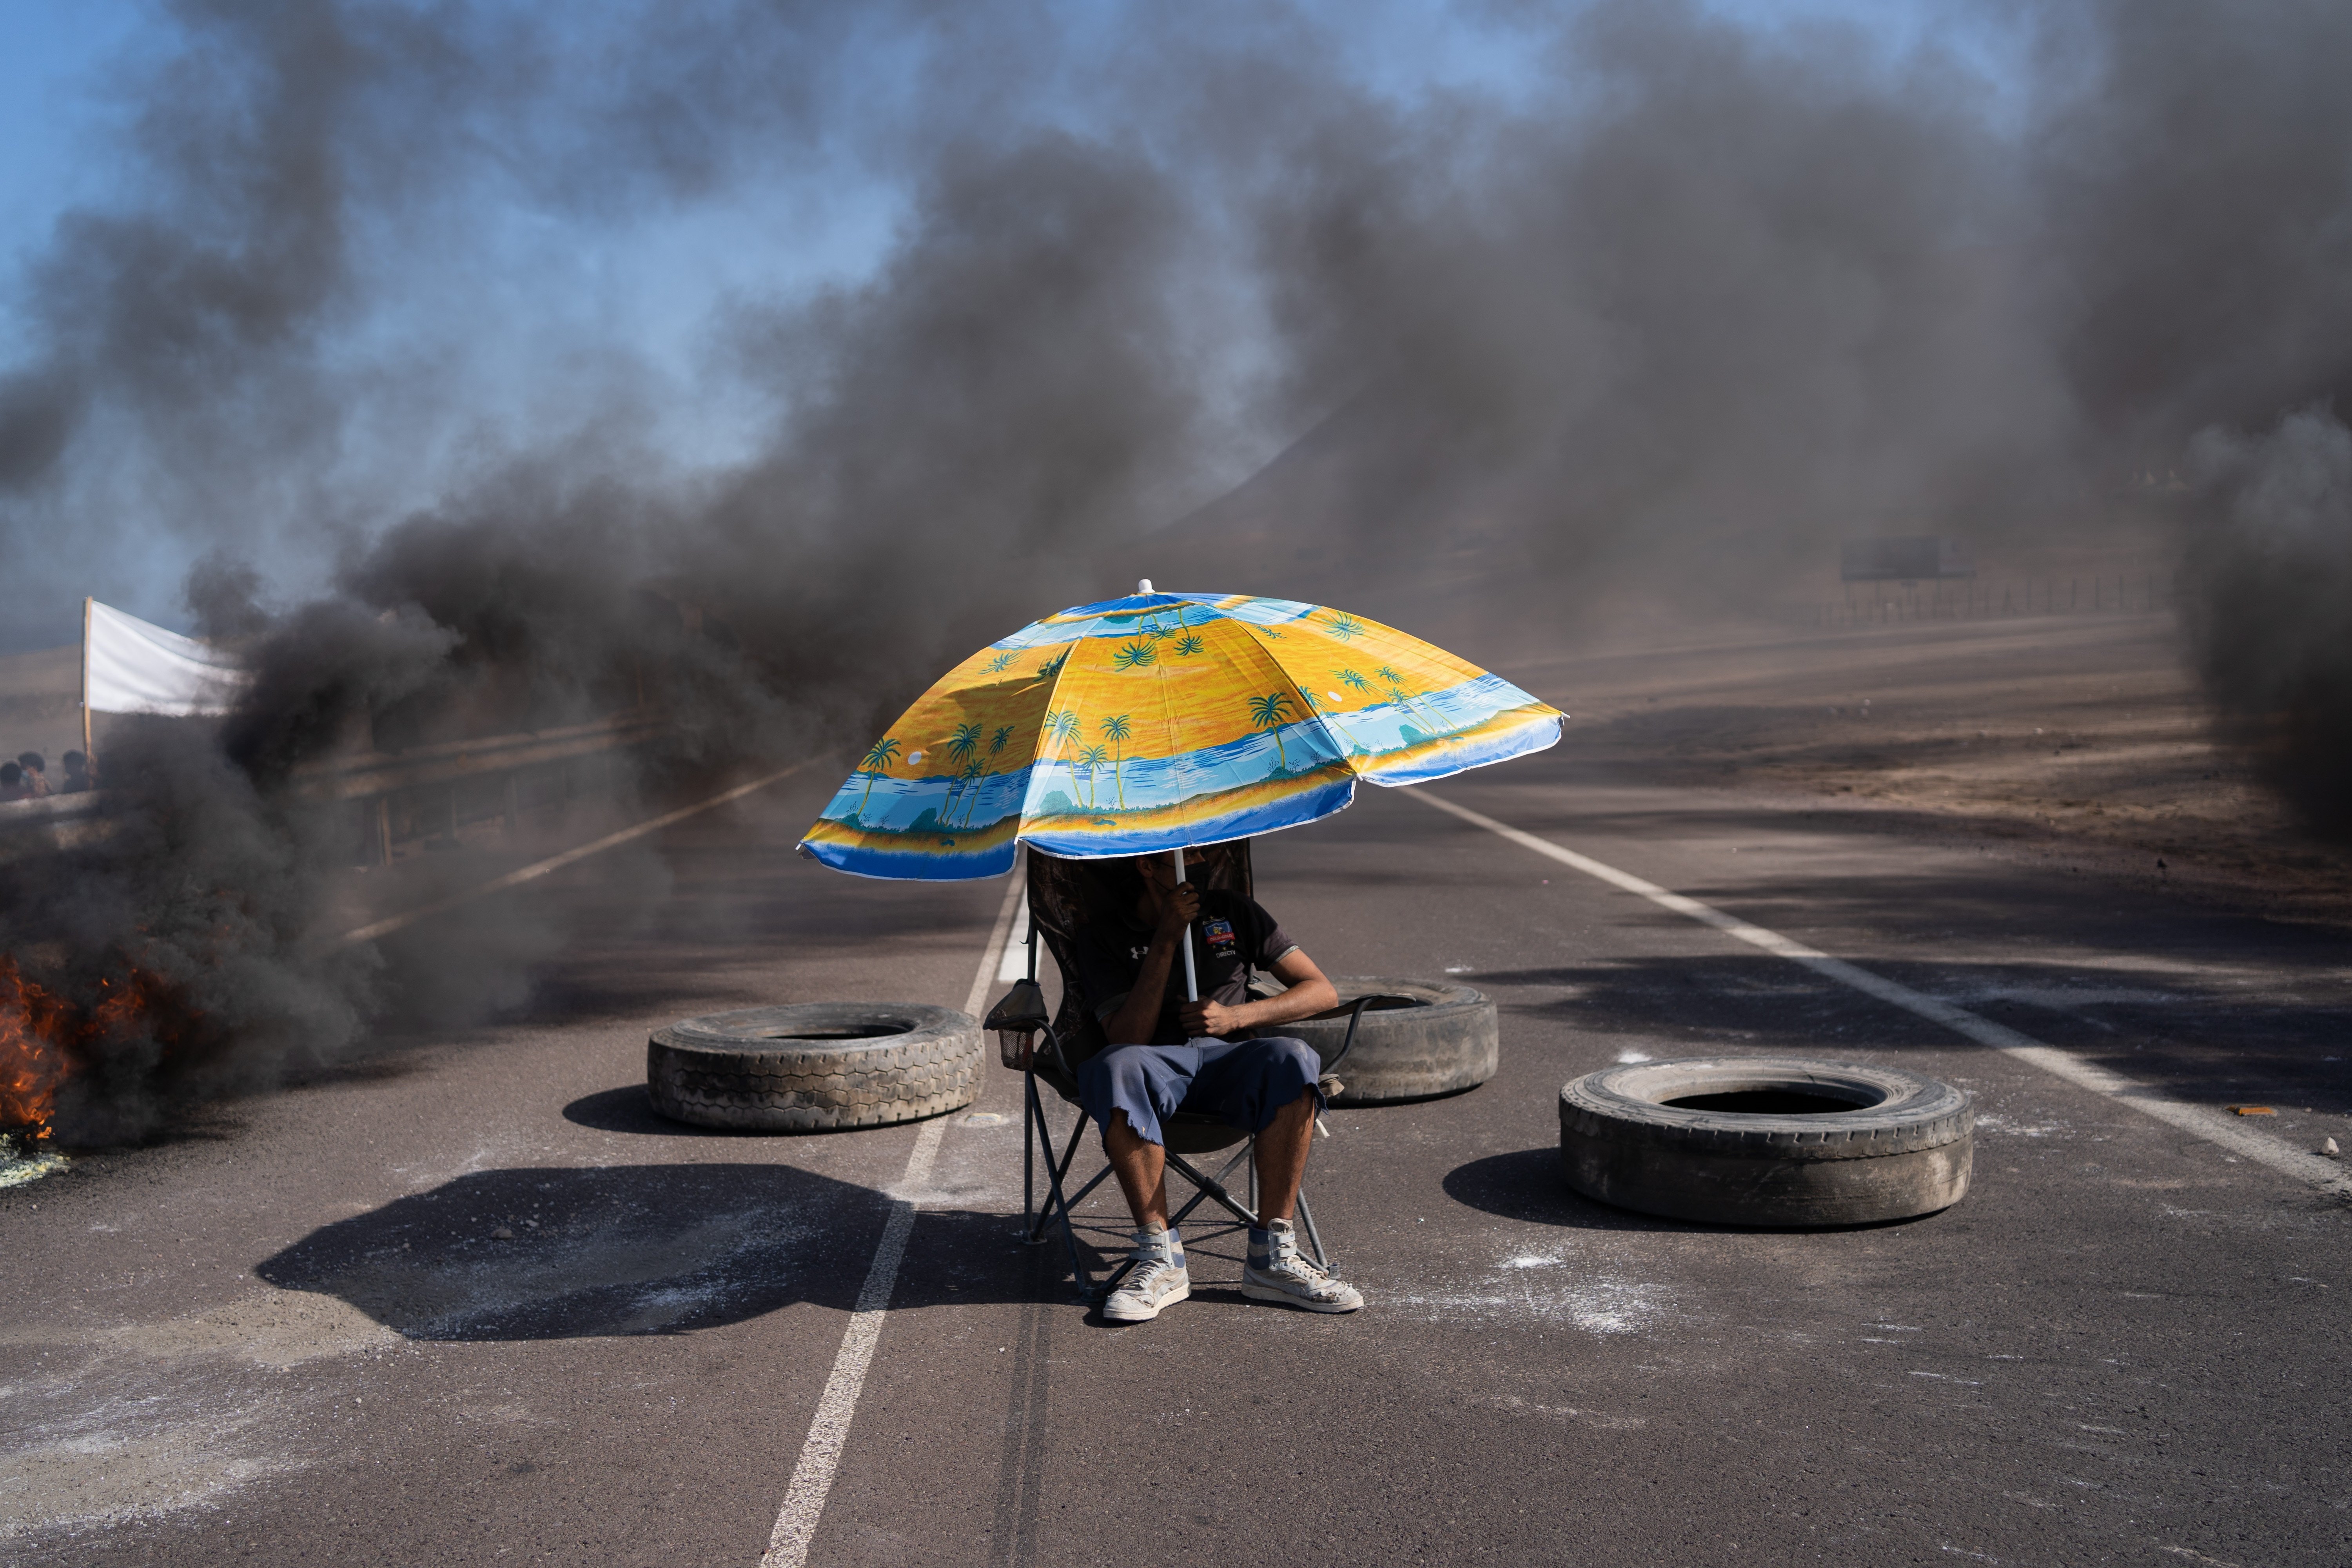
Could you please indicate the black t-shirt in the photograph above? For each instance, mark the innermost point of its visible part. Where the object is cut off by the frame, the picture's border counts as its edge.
(1233, 936)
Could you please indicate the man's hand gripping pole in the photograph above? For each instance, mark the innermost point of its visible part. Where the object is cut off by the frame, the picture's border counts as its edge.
(1192, 981)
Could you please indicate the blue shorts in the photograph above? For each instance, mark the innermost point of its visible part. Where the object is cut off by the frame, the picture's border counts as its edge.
(1242, 1083)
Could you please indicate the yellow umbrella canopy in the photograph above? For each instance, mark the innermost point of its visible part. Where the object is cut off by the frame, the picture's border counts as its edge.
(1159, 721)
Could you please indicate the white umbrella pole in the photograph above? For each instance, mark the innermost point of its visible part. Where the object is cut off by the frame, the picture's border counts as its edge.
(1192, 981)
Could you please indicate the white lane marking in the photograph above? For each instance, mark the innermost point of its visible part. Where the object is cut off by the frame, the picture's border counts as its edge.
(1015, 964)
(788, 1543)
(1001, 933)
(2212, 1126)
(557, 862)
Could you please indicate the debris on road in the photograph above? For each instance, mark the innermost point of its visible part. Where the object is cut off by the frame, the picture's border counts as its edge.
(27, 1163)
(2328, 1147)
(2252, 1111)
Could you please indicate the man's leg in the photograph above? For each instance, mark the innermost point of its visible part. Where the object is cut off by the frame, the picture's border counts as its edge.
(1282, 1158)
(1143, 1170)
(1268, 1085)
(1243, 1082)
(1131, 1086)
(1118, 1087)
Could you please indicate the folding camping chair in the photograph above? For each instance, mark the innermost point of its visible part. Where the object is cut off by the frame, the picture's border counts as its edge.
(1063, 896)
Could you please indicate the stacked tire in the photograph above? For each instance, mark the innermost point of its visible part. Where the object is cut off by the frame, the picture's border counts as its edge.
(811, 1067)
(1418, 1039)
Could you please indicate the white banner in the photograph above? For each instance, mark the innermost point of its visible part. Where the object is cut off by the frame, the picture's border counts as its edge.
(131, 667)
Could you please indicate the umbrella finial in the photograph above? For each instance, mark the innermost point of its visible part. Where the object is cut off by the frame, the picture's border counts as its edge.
(1143, 585)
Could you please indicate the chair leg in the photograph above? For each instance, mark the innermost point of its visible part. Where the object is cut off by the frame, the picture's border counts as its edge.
(1307, 1218)
(1036, 1130)
(1245, 1151)
(1060, 1203)
(1056, 1173)
(1057, 1204)
(1028, 1156)
(1070, 1151)
(1210, 1188)
(1200, 1194)
(1096, 1180)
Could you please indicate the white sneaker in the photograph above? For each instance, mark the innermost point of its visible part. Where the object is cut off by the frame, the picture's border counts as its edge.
(1158, 1279)
(1277, 1273)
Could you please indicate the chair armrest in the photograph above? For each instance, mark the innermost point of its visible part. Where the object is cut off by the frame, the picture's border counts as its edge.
(1354, 1017)
(1061, 1056)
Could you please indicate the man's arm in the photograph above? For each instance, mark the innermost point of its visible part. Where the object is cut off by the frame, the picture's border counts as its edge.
(1306, 992)
(1138, 1018)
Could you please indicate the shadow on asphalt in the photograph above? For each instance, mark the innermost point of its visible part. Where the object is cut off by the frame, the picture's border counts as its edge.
(629, 1108)
(592, 1252)
(1527, 1186)
(597, 1252)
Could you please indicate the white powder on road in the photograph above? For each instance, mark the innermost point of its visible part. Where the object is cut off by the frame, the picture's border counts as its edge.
(1531, 1287)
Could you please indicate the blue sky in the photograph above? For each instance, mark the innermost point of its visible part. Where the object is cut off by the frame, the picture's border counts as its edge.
(56, 119)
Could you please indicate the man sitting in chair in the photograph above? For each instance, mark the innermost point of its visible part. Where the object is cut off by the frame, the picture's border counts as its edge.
(1165, 1052)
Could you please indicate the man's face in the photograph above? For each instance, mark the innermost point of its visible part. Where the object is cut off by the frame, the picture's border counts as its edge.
(1158, 873)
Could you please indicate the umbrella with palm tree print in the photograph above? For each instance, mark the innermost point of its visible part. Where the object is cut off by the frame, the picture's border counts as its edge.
(1160, 721)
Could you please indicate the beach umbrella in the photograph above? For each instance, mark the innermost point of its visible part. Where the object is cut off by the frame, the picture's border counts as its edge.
(1160, 722)
(1157, 722)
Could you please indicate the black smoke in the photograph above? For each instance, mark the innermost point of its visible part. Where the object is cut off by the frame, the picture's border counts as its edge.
(2200, 199)
(2273, 557)
(1670, 298)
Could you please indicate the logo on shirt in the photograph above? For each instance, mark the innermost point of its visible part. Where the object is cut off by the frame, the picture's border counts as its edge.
(1220, 934)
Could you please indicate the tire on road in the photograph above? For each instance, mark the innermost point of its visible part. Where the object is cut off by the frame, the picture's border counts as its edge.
(1419, 1039)
(1792, 1144)
(810, 1066)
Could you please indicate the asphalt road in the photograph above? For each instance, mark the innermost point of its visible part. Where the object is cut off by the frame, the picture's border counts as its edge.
(290, 1337)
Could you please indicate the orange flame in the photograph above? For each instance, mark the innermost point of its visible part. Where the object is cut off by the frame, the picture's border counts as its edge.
(42, 1037)
(33, 1061)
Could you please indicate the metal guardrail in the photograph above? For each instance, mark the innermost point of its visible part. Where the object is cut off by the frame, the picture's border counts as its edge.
(32, 827)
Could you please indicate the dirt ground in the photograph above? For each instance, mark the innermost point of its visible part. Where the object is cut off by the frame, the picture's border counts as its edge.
(2080, 740)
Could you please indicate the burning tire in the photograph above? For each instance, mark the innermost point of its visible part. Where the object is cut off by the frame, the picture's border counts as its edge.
(815, 1065)
(1776, 1143)
(1419, 1038)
